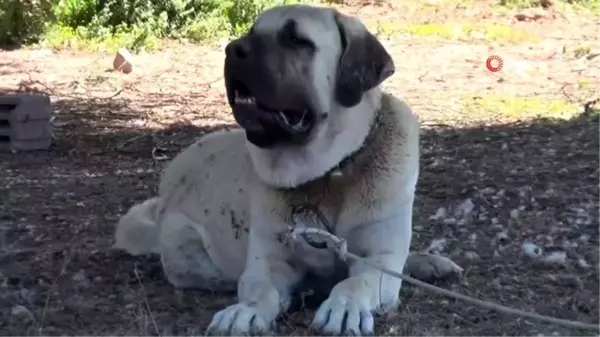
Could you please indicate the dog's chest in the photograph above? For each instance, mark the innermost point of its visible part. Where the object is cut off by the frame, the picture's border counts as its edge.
(333, 199)
(331, 196)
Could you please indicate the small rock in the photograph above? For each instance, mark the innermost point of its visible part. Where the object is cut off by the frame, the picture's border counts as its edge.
(555, 258)
(583, 264)
(465, 208)
(81, 280)
(436, 246)
(514, 214)
(123, 61)
(477, 35)
(449, 221)
(22, 313)
(487, 190)
(79, 277)
(502, 238)
(27, 296)
(532, 250)
(440, 214)
(471, 255)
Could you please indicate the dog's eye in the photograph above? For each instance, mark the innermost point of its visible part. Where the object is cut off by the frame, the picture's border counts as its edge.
(296, 40)
(300, 42)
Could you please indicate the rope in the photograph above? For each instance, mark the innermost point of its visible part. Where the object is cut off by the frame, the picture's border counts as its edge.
(341, 248)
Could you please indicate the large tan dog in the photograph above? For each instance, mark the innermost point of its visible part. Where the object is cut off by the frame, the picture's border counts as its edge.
(304, 86)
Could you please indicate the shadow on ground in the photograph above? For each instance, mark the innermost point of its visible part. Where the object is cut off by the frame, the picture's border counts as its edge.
(527, 181)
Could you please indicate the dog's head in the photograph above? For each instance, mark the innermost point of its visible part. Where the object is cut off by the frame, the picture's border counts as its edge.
(290, 78)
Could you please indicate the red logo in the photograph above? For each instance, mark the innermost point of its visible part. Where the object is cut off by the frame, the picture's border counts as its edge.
(494, 63)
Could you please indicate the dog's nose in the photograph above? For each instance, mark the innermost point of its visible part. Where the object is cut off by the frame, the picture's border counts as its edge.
(238, 49)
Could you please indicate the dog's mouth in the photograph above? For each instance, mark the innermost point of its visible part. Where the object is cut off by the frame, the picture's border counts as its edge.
(292, 120)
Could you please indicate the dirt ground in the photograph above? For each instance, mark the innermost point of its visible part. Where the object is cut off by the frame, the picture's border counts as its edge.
(489, 183)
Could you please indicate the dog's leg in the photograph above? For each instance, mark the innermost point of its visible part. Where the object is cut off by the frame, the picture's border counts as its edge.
(352, 302)
(264, 289)
(185, 260)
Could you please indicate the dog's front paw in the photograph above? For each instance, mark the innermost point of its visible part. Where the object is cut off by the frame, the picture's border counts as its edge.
(343, 316)
(236, 320)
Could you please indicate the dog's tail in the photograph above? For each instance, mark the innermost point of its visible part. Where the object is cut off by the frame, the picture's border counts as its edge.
(138, 230)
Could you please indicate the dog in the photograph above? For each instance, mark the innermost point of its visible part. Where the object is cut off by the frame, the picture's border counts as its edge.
(315, 127)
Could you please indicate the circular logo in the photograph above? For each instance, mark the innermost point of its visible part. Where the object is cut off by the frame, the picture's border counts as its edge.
(494, 63)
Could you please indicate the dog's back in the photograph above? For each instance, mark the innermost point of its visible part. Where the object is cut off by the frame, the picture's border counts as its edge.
(206, 183)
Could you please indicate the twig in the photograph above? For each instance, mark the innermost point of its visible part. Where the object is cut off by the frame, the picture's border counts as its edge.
(137, 276)
(51, 289)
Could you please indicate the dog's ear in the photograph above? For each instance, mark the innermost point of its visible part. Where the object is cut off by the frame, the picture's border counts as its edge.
(364, 62)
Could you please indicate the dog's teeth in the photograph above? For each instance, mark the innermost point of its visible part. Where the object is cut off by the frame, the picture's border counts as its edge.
(301, 121)
(284, 117)
(244, 100)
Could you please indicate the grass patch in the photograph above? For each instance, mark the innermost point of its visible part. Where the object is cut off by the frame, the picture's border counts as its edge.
(455, 31)
(582, 51)
(577, 5)
(110, 24)
(61, 37)
(585, 84)
(518, 107)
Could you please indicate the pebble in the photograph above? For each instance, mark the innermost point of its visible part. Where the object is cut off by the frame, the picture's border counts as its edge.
(465, 208)
(556, 258)
(22, 313)
(471, 255)
(79, 277)
(440, 214)
(532, 250)
(583, 263)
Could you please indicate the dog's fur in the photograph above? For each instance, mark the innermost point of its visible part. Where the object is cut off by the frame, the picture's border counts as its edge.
(223, 202)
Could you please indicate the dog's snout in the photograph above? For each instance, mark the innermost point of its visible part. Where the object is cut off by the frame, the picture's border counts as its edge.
(238, 49)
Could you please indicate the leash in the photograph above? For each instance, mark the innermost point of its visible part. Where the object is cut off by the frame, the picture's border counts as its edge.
(340, 247)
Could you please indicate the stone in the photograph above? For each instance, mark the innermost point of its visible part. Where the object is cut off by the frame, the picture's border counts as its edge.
(123, 61)
(21, 313)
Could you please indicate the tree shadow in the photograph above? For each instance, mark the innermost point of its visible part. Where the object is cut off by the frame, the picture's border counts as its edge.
(528, 180)
(104, 125)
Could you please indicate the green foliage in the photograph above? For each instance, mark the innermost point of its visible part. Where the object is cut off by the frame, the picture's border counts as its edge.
(241, 13)
(134, 24)
(75, 13)
(22, 21)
